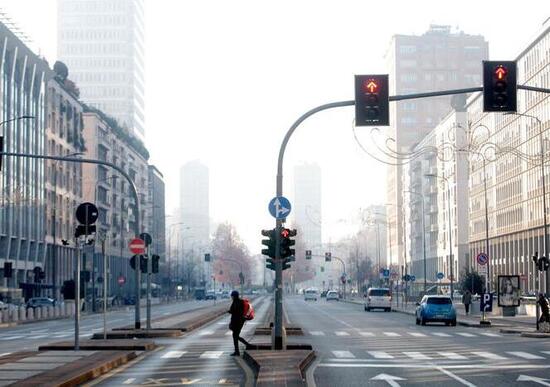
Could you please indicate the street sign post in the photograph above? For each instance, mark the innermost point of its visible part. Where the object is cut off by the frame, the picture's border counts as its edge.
(137, 246)
(279, 207)
(486, 302)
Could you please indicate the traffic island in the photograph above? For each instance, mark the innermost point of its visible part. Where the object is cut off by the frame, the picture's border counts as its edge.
(102, 345)
(138, 334)
(279, 368)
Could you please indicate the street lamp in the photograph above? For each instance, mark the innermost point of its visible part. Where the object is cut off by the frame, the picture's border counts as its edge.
(423, 235)
(451, 268)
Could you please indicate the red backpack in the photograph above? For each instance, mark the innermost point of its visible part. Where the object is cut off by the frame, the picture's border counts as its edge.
(248, 310)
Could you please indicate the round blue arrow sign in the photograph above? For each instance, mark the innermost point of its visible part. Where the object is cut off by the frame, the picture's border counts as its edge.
(279, 207)
(440, 276)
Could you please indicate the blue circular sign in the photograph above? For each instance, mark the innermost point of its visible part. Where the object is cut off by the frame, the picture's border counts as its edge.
(440, 276)
(482, 259)
(279, 207)
(407, 277)
(413, 278)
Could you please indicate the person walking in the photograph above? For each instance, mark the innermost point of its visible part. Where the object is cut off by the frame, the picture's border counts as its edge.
(237, 321)
(467, 300)
(544, 309)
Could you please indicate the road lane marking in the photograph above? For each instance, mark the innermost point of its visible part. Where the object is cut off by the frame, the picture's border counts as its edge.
(441, 334)
(380, 355)
(211, 355)
(206, 333)
(341, 333)
(464, 334)
(489, 334)
(366, 334)
(37, 337)
(417, 334)
(173, 354)
(392, 334)
(317, 333)
(489, 355)
(343, 354)
(453, 355)
(11, 338)
(62, 335)
(129, 381)
(525, 355)
(417, 355)
(5, 354)
(228, 333)
(455, 377)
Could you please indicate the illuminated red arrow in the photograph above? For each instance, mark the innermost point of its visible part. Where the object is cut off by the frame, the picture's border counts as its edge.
(500, 72)
(371, 86)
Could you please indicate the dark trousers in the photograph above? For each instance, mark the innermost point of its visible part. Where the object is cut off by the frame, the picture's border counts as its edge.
(237, 338)
(467, 307)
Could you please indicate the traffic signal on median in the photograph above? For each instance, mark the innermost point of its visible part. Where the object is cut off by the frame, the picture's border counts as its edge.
(372, 105)
(155, 263)
(270, 264)
(499, 86)
(207, 257)
(328, 257)
(287, 242)
(308, 254)
(270, 243)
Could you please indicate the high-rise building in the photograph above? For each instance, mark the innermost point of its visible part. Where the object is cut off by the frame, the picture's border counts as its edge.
(194, 206)
(437, 60)
(157, 215)
(102, 42)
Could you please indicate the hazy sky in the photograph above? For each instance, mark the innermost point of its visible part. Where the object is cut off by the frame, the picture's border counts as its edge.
(225, 79)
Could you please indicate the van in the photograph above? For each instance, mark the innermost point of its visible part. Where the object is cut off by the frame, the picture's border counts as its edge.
(378, 298)
(311, 294)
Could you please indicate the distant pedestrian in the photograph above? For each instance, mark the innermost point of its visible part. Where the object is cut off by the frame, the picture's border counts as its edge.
(467, 300)
(237, 321)
(544, 309)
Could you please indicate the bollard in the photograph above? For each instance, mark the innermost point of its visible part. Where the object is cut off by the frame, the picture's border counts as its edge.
(5, 316)
(15, 315)
(37, 313)
(49, 312)
(30, 314)
(22, 313)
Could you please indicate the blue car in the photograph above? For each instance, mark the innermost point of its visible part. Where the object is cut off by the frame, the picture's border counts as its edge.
(436, 309)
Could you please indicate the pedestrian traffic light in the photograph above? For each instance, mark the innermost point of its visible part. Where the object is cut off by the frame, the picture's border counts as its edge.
(372, 100)
(270, 243)
(8, 269)
(142, 260)
(308, 254)
(270, 264)
(287, 242)
(499, 86)
(155, 263)
(207, 257)
(328, 257)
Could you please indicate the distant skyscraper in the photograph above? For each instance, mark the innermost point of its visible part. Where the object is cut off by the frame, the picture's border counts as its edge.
(195, 205)
(102, 43)
(437, 60)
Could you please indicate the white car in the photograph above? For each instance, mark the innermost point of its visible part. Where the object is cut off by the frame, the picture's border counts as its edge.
(332, 295)
(311, 294)
(378, 298)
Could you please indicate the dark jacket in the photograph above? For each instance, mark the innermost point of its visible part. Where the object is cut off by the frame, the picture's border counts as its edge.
(237, 315)
(544, 308)
(467, 298)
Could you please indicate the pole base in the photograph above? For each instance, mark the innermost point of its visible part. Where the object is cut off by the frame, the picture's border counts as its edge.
(485, 322)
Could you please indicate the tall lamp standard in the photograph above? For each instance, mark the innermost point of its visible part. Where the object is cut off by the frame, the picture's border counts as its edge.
(451, 268)
(423, 235)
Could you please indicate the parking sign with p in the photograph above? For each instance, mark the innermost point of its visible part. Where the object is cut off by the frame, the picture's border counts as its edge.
(486, 302)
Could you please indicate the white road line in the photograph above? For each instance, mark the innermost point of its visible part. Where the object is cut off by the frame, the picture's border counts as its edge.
(366, 334)
(5, 354)
(11, 338)
(392, 334)
(464, 334)
(206, 333)
(343, 354)
(341, 333)
(416, 334)
(441, 334)
(317, 333)
(63, 335)
(489, 355)
(37, 337)
(490, 334)
(129, 381)
(85, 335)
(173, 354)
(546, 352)
(380, 355)
(525, 355)
(455, 377)
(417, 355)
(453, 355)
(211, 354)
(228, 333)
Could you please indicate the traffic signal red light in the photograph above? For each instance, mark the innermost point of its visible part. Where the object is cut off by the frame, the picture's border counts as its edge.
(499, 86)
(287, 242)
(371, 100)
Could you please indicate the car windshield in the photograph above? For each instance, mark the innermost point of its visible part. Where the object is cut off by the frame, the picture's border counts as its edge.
(438, 301)
(311, 291)
(379, 292)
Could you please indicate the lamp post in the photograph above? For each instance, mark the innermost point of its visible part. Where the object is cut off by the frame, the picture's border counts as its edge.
(423, 235)
(451, 268)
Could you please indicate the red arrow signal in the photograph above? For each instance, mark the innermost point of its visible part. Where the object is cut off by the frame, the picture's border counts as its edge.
(500, 72)
(371, 86)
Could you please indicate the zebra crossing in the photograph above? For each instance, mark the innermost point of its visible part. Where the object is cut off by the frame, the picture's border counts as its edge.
(404, 334)
(440, 355)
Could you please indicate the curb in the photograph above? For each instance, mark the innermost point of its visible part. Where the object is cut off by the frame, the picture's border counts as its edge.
(536, 335)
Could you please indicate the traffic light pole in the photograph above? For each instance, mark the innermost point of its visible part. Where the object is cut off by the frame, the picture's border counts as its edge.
(134, 194)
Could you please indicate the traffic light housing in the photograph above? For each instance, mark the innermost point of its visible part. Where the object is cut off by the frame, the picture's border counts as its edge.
(286, 264)
(155, 263)
(328, 257)
(499, 86)
(270, 264)
(287, 242)
(81, 230)
(207, 257)
(142, 263)
(372, 105)
(270, 243)
(308, 255)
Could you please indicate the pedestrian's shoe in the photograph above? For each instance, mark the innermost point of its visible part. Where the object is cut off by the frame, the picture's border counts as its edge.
(235, 354)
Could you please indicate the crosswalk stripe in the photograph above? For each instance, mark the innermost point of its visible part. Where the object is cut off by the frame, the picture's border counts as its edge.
(441, 334)
(341, 333)
(452, 355)
(417, 355)
(546, 352)
(380, 355)
(37, 337)
(211, 354)
(489, 355)
(417, 334)
(173, 354)
(11, 337)
(366, 334)
(63, 335)
(464, 334)
(490, 334)
(343, 354)
(206, 333)
(525, 355)
(85, 335)
(317, 333)
(5, 354)
(228, 333)
(129, 381)
(392, 334)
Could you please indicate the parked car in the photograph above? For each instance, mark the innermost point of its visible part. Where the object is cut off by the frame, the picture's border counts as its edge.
(435, 309)
(311, 294)
(36, 302)
(200, 294)
(332, 295)
(211, 295)
(378, 298)
(225, 295)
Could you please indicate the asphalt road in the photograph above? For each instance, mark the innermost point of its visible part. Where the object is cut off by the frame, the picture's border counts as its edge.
(31, 335)
(358, 348)
(200, 357)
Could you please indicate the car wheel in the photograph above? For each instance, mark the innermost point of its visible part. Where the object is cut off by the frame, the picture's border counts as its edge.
(417, 321)
(422, 321)
(453, 323)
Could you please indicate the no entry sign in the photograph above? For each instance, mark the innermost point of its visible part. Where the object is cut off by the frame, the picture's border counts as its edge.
(137, 246)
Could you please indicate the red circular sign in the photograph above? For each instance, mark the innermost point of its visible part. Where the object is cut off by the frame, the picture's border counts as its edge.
(121, 280)
(137, 246)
